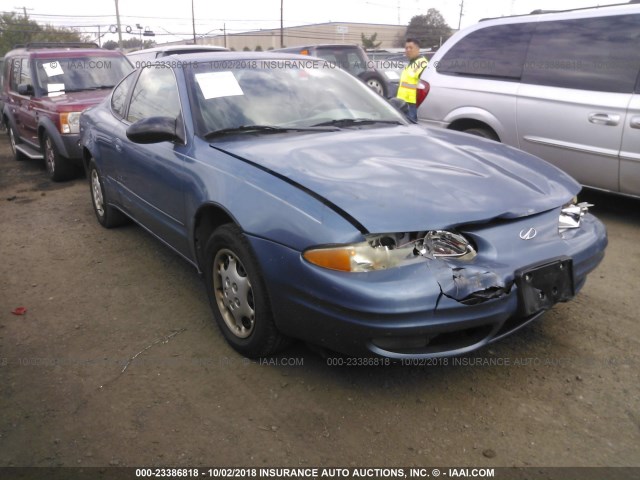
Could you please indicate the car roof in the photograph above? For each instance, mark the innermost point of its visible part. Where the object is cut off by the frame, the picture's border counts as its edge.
(60, 50)
(222, 56)
(322, 45)
(548, 15)
(170, 48)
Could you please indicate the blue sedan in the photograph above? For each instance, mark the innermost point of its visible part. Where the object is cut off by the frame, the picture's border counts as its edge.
(316, 211)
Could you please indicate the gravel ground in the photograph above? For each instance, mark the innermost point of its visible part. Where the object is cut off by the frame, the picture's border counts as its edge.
(118, 362)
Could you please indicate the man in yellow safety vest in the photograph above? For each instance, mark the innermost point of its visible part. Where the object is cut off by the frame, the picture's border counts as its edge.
(411, 76)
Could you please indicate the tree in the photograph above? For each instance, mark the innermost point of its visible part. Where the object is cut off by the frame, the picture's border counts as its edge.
(16, 29)
(370, 43)
(110, 45)
(246, 49)
(129, 43)
(258, 48)
(430, 29)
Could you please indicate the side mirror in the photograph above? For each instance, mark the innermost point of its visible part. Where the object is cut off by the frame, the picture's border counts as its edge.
(399, 105)
(25, 89)
(155, 130)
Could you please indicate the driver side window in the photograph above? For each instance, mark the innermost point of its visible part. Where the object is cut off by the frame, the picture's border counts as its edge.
(155, 95)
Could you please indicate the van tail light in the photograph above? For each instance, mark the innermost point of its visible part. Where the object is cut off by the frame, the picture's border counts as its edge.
(423, 91)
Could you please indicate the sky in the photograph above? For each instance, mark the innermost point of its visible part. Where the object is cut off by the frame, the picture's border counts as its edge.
(171, 21)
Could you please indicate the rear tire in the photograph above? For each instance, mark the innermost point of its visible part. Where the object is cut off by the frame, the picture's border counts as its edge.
(108, 216)
(58, 167)
(238, 295)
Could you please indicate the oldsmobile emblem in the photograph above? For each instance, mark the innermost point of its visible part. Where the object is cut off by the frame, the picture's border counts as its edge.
(528, 234)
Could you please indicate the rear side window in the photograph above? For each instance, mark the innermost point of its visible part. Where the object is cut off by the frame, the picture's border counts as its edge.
(600, 54)
(25, 72)
(119, 96)
(14, 77)
(497, 51)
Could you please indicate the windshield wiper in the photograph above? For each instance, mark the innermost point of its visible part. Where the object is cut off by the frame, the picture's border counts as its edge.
(82, 89)
(350, 122)
(265, 129)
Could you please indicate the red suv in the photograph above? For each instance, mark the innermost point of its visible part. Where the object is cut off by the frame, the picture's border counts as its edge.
(45, 88)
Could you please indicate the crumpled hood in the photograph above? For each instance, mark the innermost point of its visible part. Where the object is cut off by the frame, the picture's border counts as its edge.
(407, 178)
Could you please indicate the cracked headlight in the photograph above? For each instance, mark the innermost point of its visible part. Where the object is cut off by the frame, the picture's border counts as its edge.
(571, 214)
(381, 252)
(70, 122)
(442, 243)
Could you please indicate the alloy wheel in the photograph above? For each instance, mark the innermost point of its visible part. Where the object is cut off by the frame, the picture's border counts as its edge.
(233, 293)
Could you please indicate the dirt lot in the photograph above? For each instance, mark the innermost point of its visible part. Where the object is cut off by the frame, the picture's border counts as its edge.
(95, 299)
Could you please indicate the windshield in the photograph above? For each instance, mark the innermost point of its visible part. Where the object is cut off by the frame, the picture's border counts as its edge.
(58, 76)
(283, 93)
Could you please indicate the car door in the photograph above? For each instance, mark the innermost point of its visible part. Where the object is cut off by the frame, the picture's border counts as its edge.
(17, 103)
(630, 151)
(151, 176)
(580, 137)
(110, 132)
(26, 114)
(577, 83)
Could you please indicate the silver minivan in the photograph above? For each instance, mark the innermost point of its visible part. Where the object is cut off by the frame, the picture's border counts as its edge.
(564, 86)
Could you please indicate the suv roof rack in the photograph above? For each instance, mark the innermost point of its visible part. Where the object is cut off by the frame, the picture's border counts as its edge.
(58, 45)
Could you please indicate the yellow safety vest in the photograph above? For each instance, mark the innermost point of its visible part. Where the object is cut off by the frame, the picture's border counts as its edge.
(409, 79)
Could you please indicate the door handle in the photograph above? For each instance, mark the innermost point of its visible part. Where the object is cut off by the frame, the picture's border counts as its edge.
(118, 145)
(635, 122)
(604, 119)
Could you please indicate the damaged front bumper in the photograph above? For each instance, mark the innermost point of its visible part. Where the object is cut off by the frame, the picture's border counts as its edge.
(438, 307)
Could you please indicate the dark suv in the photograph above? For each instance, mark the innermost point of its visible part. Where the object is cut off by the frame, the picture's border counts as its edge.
(45, 88)
(351, 58)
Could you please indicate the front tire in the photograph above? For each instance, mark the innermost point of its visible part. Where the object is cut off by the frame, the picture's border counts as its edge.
(238, 295)
(107, 215)
(58, 167)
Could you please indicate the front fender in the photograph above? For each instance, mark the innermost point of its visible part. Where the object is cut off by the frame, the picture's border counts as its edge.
(45, 125)
(263, 205)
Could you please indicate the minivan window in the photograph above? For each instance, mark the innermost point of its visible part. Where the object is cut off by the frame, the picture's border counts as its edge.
(608, 60)
(497, 51)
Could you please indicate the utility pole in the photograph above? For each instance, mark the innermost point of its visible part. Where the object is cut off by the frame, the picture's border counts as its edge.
(118, 22)
(193, 21)
(461, 8)
(224, 32)
(281, 24)
(24, 9)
